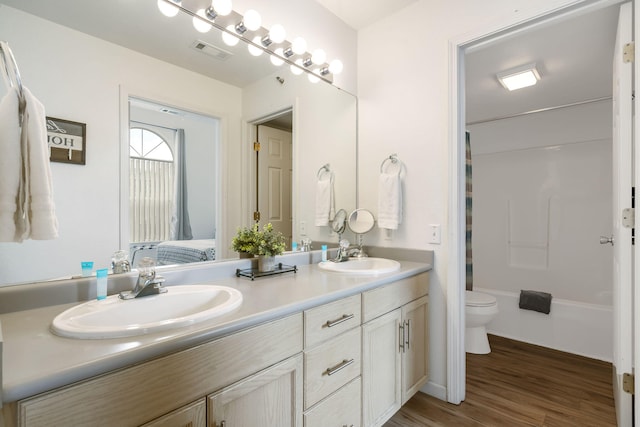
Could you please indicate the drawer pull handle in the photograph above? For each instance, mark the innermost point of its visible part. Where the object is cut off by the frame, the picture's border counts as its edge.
(344, 318)
(339, 367)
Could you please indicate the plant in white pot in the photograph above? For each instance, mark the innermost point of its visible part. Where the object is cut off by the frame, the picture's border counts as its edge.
(264, 242)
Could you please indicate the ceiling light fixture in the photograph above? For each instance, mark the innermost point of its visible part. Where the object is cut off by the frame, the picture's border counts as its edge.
(169, 9)
(249, 28)
(520, 77)
(202, 25)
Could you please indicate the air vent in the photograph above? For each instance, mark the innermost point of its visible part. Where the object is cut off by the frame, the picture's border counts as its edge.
(211, 50)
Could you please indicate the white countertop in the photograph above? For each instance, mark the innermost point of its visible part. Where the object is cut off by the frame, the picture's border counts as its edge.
(35, 360)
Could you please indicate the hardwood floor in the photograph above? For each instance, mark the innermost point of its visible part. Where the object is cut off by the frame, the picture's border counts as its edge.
(520, 384)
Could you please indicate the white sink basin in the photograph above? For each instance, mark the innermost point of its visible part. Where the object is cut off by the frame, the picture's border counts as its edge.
(362, 266)
(113, 317)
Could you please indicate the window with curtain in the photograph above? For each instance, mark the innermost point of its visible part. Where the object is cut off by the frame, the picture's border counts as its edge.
(151, 186)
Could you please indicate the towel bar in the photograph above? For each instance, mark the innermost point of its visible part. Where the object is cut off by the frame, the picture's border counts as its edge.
(325, 168)
(394, 161)
(13, 75)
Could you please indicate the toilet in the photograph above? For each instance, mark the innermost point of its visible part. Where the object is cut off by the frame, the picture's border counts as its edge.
(480, 309)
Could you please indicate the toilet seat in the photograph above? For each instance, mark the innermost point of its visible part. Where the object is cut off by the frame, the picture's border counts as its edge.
(478, 299)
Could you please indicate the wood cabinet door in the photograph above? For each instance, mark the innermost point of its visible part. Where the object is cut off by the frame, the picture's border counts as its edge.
(272, 397)
(415, 354)
(193, 415)
(381, 373)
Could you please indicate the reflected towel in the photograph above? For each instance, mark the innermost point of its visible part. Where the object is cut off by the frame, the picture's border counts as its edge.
(10, 170)
(40, 218)
(324, 201)
(389, 201)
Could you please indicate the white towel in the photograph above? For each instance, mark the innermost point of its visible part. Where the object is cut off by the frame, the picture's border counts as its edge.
(10, 165)
(40, 218)
(389, 201)
(324, 201)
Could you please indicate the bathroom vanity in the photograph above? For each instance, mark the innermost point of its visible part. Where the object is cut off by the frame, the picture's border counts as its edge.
(304, 349)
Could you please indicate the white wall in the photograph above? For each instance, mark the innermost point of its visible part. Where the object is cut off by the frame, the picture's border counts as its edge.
(404, 107)
(541, 198)
(79, 78)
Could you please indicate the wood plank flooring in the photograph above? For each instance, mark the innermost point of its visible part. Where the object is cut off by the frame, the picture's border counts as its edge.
(520, 384)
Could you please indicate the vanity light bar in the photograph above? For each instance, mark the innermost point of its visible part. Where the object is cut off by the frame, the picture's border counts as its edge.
(234, 25)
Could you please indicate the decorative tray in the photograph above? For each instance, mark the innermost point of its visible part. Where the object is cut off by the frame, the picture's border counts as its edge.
(252, 273)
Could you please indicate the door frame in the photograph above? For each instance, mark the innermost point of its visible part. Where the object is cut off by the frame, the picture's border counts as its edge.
(249, 160)
(455, 302)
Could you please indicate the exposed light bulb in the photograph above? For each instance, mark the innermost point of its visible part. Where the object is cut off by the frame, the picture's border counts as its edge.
(277, 58)
(318, 56)
(299, 45)
(313, 78)
(252, 20)
(277, 34)
(222, 7)
(335, 67)
(255, 51)
(199, 24)
(295, 70)
(230, 39)
(168, 9)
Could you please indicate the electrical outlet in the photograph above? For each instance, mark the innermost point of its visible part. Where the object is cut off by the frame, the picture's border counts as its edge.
(435, 234)
(303, 228)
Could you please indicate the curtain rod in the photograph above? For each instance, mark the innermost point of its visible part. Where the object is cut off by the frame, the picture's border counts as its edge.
(541, 110)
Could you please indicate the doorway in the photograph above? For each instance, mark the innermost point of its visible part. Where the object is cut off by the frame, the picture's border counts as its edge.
(274, 174)
(456, 355)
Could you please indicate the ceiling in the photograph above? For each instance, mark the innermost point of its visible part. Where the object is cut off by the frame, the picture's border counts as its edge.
(573, 55)
(359, 14)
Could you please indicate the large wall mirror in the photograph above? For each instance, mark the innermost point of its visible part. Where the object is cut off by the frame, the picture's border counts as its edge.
(86, 67)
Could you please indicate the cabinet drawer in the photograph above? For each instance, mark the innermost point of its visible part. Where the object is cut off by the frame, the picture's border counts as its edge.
(340, 409)
(382, 300)
(331, 365)
(330, 320)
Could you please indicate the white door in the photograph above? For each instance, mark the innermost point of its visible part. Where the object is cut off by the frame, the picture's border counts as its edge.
(621, 239)
(274, 179)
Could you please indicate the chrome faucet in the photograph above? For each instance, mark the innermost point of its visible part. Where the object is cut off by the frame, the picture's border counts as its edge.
(343, 248)
(148, 283)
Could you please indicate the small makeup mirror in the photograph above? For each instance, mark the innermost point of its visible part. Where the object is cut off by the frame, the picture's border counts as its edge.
(361, 221)
(339, 222)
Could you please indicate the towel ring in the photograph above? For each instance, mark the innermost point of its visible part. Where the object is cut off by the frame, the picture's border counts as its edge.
(394, 161)
(13, 74)
(324, 169)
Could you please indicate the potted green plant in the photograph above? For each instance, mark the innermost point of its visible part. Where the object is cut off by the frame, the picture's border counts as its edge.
(245, 241)
(264, 242)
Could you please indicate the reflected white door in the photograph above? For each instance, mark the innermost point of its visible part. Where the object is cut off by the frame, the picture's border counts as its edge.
(622, 245)
(274, 179)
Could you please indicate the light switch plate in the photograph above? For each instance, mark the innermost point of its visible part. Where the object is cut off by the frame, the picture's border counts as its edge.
(435, 234)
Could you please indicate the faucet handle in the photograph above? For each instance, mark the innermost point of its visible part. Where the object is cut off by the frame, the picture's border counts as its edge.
(147, 267)
(344, 243)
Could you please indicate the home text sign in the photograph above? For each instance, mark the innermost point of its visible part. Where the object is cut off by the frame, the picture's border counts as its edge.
(67, 141)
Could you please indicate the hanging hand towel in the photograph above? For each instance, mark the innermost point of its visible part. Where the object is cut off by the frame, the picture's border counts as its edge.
(389, 201)
(324, 201)
(10, 169)
(41, 222)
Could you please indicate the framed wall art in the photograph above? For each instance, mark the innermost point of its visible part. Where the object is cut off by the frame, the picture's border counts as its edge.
(67, 141)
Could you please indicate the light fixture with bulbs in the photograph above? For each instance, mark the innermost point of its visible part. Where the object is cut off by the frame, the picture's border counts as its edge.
(235, 26)
(519, 77)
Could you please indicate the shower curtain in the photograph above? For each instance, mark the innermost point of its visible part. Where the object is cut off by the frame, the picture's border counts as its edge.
(468, 206)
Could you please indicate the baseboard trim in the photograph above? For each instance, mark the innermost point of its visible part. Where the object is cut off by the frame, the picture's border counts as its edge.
(436, 390)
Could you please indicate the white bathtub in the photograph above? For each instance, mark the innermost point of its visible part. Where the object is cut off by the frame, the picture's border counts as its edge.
(573, 327)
